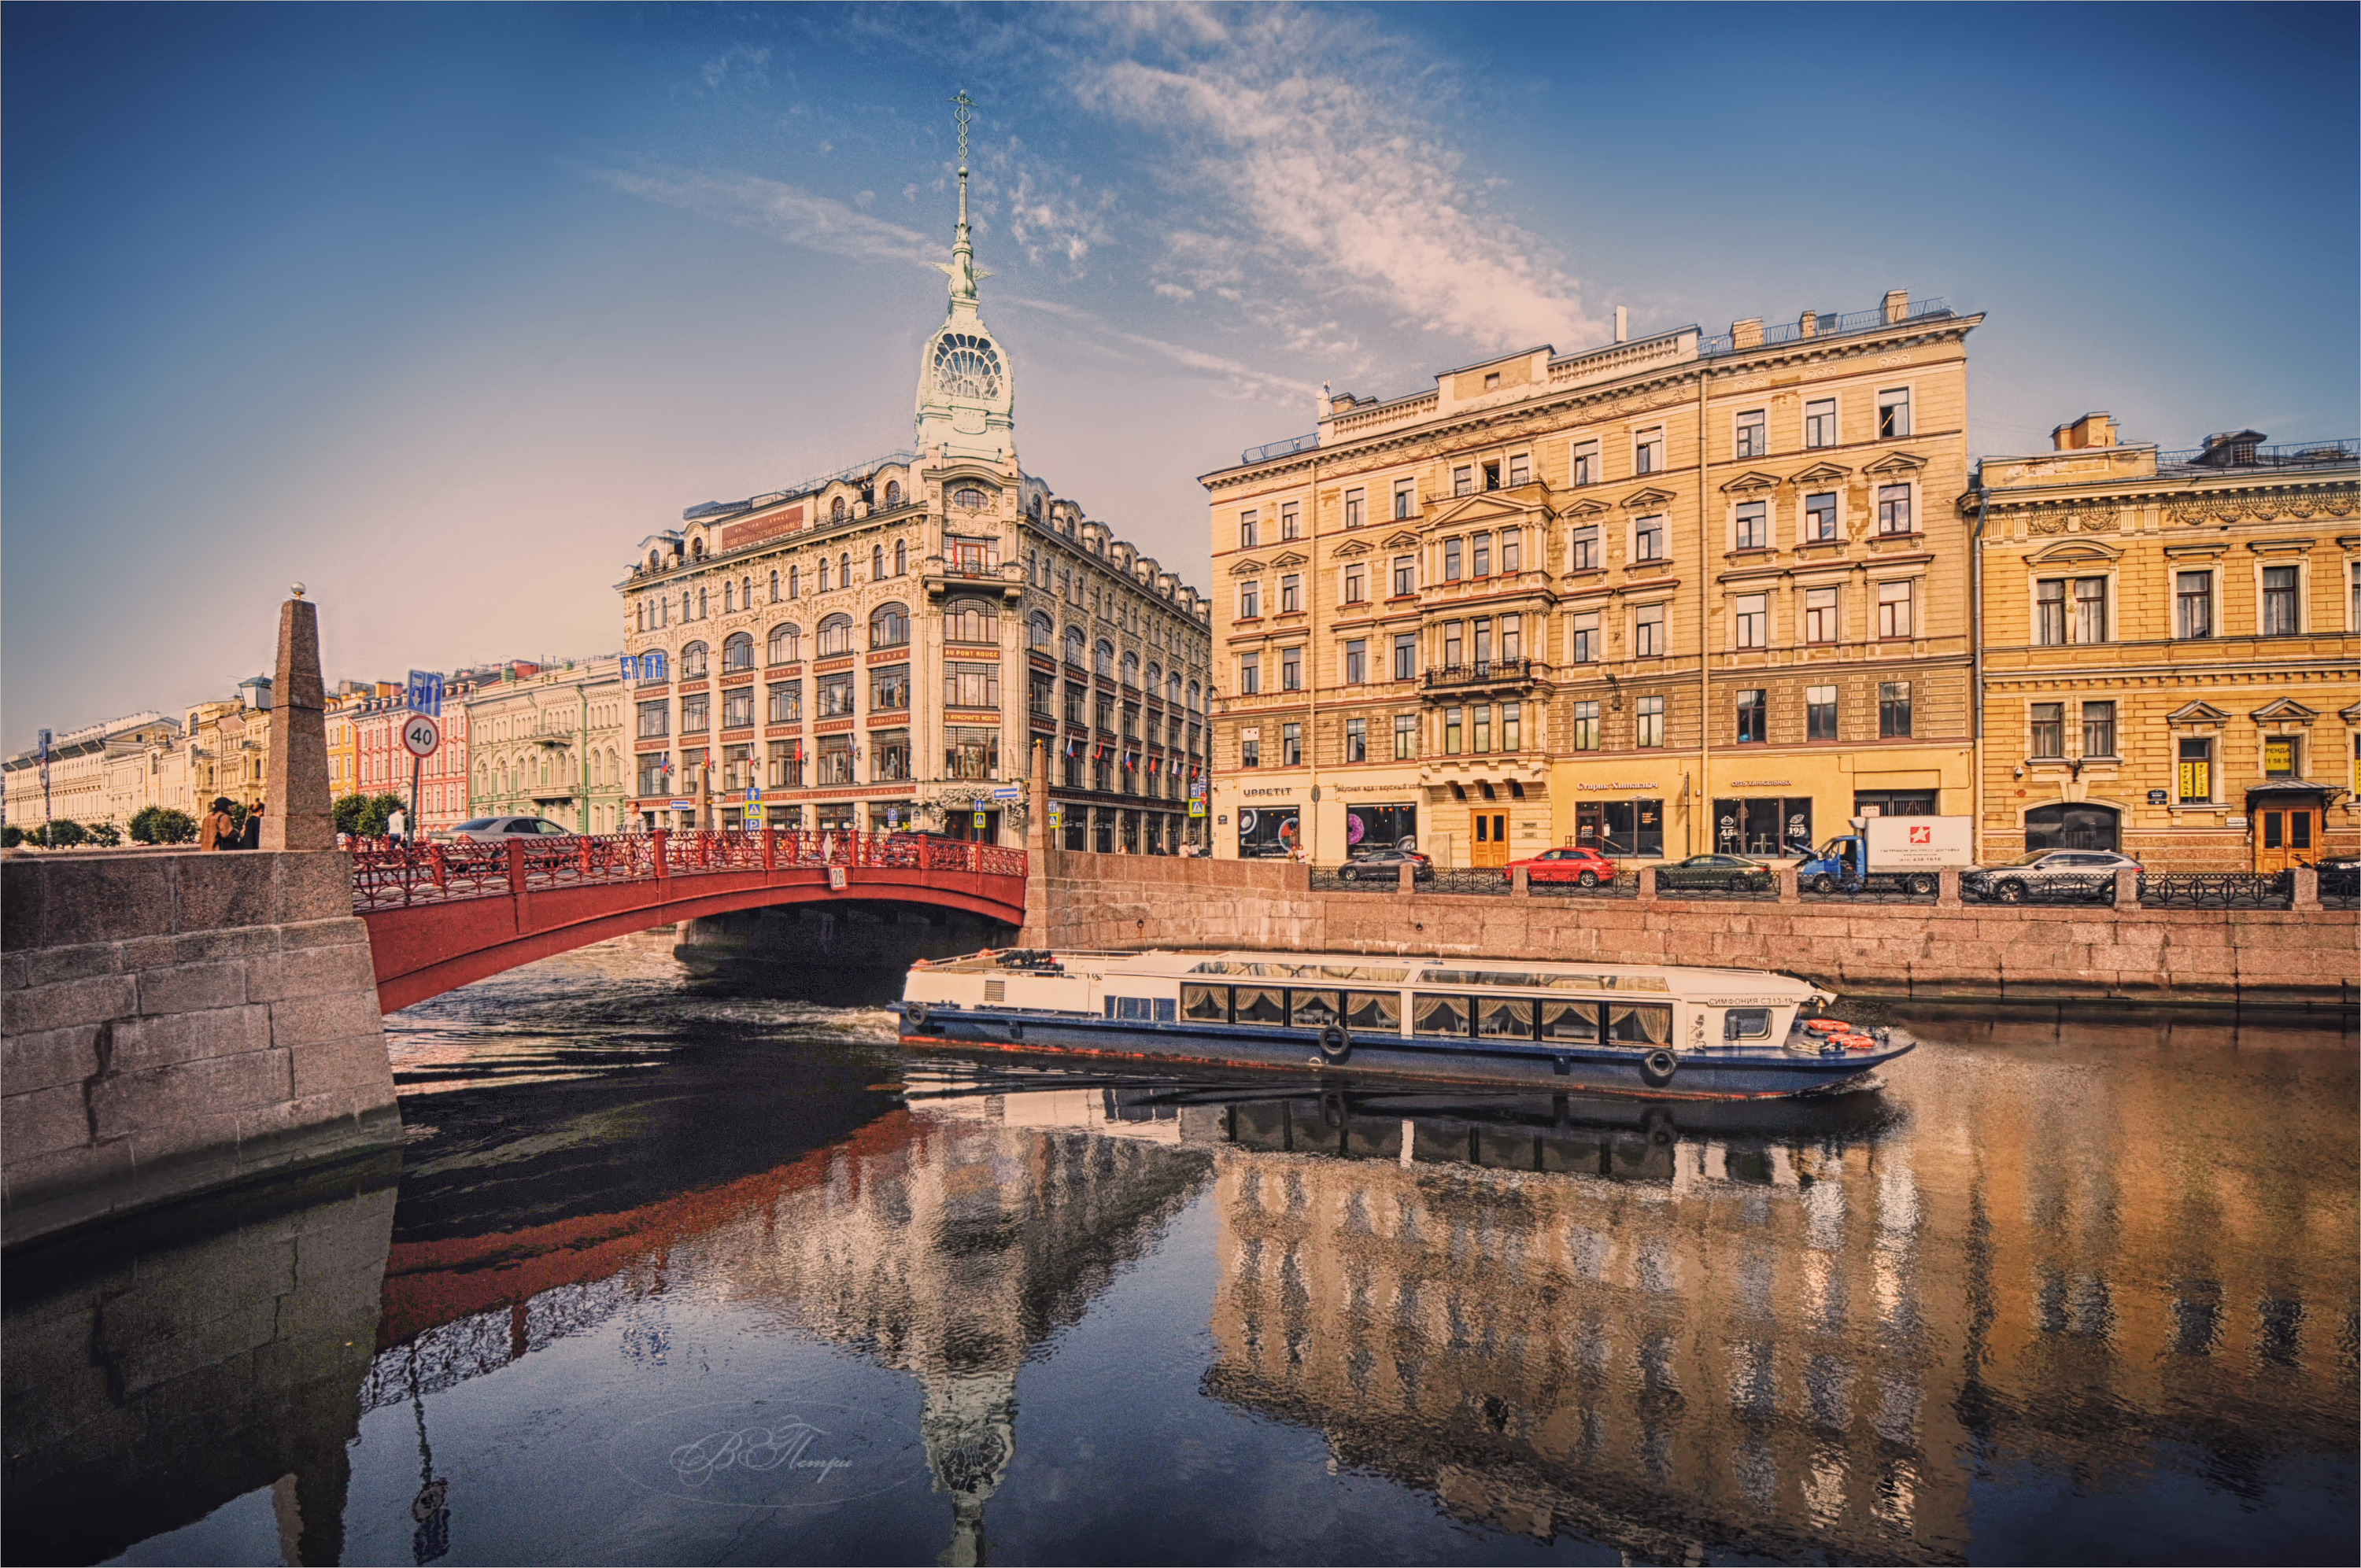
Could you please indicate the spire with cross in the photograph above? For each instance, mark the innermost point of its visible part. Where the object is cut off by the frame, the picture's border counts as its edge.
(965, 404)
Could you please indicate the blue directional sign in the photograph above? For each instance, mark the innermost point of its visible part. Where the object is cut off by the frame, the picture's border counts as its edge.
(426, 693)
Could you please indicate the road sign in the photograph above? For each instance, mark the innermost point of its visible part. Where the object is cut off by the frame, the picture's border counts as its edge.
(426, 696)
(1008, 793)
(1057, 817)
(979, 821)
(754, 791)
(684, 805)
(1197, 806)
(421, 735)
(45, 745)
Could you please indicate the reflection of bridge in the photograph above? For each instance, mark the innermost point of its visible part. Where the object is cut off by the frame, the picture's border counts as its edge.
(442, 915)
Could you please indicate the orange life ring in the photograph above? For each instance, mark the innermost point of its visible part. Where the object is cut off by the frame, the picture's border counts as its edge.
(1857, 1042)
(1828, 1025)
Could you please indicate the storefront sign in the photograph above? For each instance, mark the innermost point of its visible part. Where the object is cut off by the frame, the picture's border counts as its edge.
(1250, 793)
(1649, 785)
(2156, 797)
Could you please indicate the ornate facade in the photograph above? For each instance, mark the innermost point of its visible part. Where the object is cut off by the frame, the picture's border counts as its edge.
(1681, 594)
(2170, 642)
(882, 647)
(549, 742)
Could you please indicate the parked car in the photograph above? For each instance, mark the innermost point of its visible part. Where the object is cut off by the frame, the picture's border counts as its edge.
(1586, 868)
(1735, 872)
(1385, 865)
(2048, 873)
(496, 830)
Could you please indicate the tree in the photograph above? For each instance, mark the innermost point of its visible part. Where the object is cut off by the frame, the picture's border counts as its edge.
(11, 835)
(62, 834)
(351, 810)
(364, 815)
(105, 835)
(162, 824)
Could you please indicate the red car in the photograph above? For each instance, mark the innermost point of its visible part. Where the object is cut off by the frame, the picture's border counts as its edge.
(1586, 867)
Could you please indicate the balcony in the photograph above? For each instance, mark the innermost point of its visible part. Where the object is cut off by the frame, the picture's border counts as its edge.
(1484, 672)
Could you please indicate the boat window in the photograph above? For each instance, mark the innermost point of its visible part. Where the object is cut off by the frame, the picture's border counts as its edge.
(1138, 1009)
(1571, 1021)
(1634, 1024)
(1439, 1015)
(1504, 1017)
(1374, 1010)
(1746, 1024)
(1313, 1009)
(1260, 1004)
(1205, 1004)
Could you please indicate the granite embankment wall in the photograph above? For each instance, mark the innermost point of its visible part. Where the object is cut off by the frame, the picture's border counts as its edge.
(172, 1022)
(2249, 956)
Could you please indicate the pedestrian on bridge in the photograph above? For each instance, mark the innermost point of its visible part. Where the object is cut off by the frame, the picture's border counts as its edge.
(219, 830)
(251, 838)
(396, 826)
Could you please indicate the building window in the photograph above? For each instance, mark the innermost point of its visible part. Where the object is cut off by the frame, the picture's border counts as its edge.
(1586, 727)
(1751, 619)
(2045, 724)
(1131, 671)
(1586, 649)
(786, 764)
(1820, 517)
(1820, 614)
(1480, 723)
(1479, 556)
(889, 687)
(1249, 674)
(1249, 601)
(1452, 731)
(1513, 549)
(1290, 594)
(971, 620)
(1752, 717)
(2280, 757)
(1357, 584)
(1405, 575)
(2353, 611)
(1893, 710)
(1463, 480)
(1105, 714)
(1753, 438)
(1452, 559)
(1893, 509)
(1357, 508)
(696, 713)
(1074, 646)
(2090, 609)
(1405, 737)
(1291, 669)
(1648, 631)
(2196, 772)
(1520, 470)
(835, 636)
(786, 706)
(1893, 609)
(970, 753)
(876, 563)
(1357, 662)
(889, 626)
(1586, 548)
(1405, 499)
(1249, 531)
(1650, 726)
(738, 708)
(1821, 423)
(786, 645)
(693, 661)
(1512, 727)
(1455, 644)
(1585, 462)
(655, 720)
(1648, 450)
(1356, 739)
(1289, 525)
(1819, 713)
(1512, 636)
(832, 695)
(2098, 729)
(1406, 657)
(1249, 749)
(1648, 539)
(2281, 617)
(1291, 745)
(889, 753)
(1753, 530)
(2192, 609)
(1893, 414)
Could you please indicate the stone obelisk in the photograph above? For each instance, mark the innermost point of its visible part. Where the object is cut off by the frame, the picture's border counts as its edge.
(299, 816)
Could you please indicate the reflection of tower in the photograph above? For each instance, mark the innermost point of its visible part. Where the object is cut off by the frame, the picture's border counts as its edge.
(969, 1429)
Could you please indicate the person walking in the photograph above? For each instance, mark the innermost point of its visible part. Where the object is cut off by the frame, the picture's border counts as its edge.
(251, 838)
(218, 827)
(396, 826)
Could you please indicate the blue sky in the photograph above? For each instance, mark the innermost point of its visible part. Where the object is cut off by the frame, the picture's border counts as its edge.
(441, 309)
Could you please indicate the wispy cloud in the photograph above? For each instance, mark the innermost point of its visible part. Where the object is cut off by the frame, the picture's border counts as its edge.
(787, 212)
(1240, 377)
(1305, 137)
(740, 64)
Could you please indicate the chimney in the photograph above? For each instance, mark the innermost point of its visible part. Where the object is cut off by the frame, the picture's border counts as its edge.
(1897, 304)
(1623, 324)
(1746, 333)
(1808, 324)
(2094, 429)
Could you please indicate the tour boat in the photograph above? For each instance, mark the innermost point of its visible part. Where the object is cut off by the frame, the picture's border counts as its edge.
(1678, 1032)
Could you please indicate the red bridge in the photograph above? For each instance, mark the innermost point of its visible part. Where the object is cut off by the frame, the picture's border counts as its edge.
(442, 915)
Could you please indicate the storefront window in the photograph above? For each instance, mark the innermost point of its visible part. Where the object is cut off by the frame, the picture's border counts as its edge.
(1768, 826)
(1620, 827)
(1381, 827)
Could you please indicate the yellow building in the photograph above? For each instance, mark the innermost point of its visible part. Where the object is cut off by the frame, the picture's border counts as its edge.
(344, 750)
(2170, 642)
(1665, 596)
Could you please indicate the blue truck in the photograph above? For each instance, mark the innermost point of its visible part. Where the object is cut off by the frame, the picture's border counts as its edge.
(1847, 865)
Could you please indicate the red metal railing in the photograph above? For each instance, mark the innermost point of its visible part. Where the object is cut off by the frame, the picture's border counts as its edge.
(394, 876)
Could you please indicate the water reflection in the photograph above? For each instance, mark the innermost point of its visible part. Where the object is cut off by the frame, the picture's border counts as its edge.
(2036, 1301)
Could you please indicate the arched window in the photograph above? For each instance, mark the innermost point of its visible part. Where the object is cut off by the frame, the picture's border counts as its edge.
(1172, 688)
(893, 492)
(823, 574)
(745, 593)
(889, 626)
(1154, 678)
(836, 635)
(1131, 669)
(656, 561)
(968, 497)
(1193, 694)
(971, 620)
(901, 557)
(692, 662)
(702, 605)
(729, 598)
(1103, 658)
(774, 587)
(688, 604)
(794, 582)
(844, 570)
(738, 652)
(697, 549)
(877, 563)
(2075, 826)
(836, 510)
(1074, 646)
(786, 644)
(1044, 633)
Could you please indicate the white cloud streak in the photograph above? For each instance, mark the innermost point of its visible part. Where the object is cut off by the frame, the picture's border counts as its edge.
(787, 212)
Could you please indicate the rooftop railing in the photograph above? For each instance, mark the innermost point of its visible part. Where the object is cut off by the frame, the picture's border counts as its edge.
(2279, 454)
(1287, 449)
(851, 471)
(1826, 325)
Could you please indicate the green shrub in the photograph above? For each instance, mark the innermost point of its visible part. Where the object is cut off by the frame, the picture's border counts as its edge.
(164, 825)
(11, 835)
(105, 835)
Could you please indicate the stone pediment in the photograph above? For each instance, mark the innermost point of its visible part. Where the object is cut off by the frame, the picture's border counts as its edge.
(2287, 710)
(2197, 713)
(1352, 547)
(1246, 568)
(1292, 558)
(1401, 539)
(2072, 549)
(1895, 463)
(2350, 715)
(1482, 506)
(1822, 474)
(1753, 479)
(1589, 506)
(1640, 500)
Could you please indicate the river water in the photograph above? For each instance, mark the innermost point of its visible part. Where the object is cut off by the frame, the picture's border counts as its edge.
(672, 1271)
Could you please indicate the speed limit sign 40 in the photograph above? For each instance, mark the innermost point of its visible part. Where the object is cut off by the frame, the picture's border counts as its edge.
(421, 736)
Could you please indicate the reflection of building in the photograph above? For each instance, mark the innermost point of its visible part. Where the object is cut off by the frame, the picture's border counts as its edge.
(2169, 644)
(1659, 596)
(882, 646)
(550, 744)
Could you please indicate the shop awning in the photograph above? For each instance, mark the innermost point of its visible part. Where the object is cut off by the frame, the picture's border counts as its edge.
(2293, 790)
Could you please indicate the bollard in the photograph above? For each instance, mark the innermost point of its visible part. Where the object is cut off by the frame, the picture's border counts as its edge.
(1521, 883)
(1788, 892)
(1647, 884)
(1946, 888)
(1406, 877)
(2128, 889)
(2307, 889)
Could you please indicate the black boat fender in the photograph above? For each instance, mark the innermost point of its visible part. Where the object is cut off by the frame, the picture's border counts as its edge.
(1658, 1066)
(914, 1015)
(1336, 1045)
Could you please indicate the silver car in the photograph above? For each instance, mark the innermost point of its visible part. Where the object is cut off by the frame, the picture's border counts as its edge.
(495, 829)
(2049, 875)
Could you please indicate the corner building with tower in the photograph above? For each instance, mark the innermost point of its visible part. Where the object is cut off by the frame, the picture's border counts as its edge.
(880, 648)
(1684, 592)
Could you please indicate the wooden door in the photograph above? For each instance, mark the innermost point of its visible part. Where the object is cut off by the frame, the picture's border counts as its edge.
(1490, 839)
(2285, 835)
